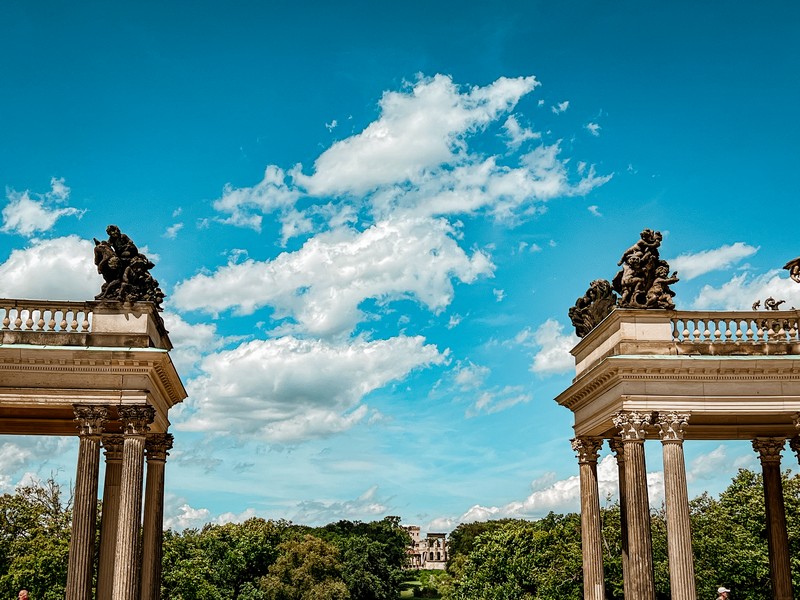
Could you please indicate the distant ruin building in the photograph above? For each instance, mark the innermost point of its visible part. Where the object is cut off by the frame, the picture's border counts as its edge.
(430, 553)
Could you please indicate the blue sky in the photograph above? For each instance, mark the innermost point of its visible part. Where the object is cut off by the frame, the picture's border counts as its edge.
(371, 219)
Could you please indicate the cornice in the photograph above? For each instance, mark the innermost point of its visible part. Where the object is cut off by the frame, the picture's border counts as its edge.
(616, 369)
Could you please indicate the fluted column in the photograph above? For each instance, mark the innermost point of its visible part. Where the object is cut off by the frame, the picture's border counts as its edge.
(587, 449)
(90, 420)
(618, 448)
(135, 423)
(769, 451)
(108, 528)
(157, 446)
(633, 429)
(679, 535)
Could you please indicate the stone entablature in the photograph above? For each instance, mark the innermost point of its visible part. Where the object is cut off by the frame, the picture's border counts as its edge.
(736, 373)
(54, 355)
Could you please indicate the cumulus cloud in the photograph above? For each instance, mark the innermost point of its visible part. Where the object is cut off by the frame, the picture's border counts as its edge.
(418, 129)
(549, 494)
(322, 285)
(367, 507)
(593, 128)
(244, 206)
(554, 346)
(184, 516)
(59, 268)
(470, 376)
(28, 214)
(172, 231)
(517, 134)
(287, 390)
(191, 341)
(416, 159)
(560, 107)
(744, 288)
(690, 266)
(595, 210)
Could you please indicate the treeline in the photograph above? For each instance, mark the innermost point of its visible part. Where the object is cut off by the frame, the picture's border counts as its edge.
(497, 560)
(542, 559)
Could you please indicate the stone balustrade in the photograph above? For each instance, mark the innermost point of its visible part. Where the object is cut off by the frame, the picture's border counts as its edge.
(717, 333)
(92, 323)
(719, 327)
(45, 315)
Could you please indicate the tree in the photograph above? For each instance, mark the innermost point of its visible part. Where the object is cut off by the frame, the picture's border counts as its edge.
(307, 569)
(34, 541)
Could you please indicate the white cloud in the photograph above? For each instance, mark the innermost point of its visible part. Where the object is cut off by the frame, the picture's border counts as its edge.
(287, 390)
(554, 353)
(470, 376)
(245, 205)
(367, 507)
(56, 269)
(593, 128)
(184, 516)
(322, 285)
(172, 231)
(560, 107)
(517, 134)
(595, 210)
(499, 295)
(690, 266)
(190, 341)
(743, 289)
(332, 125)
(549, 494)
(28, 215)
(498, 399)
(420, 129)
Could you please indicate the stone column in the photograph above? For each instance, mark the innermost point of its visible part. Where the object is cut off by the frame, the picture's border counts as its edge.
(157, 446)
(587, 449)
(135, 423)
(769, 451)
(633, 429)
(90, 421)
(619, 452)
(108, 527)
(679, 535)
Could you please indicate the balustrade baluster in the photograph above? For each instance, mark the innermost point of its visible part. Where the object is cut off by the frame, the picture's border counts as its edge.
(696, 332)
(6, 319)
(686, 329)
(51, 324)
(40, 322)
(706, 331)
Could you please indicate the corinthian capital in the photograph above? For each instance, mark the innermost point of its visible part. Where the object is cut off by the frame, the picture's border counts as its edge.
(632, 425)
(90, 419)
(136, 419)
(587, 448)
(671, 426)
(158, 446)
(769, 449)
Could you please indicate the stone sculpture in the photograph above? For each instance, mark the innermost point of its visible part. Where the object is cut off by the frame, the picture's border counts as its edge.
(644, 280)
(125, 270)
(772, 304)
(593, 307)
(793, 266)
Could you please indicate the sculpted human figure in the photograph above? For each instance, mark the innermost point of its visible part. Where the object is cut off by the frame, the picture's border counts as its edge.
(659, 295)
(793, 266)
(125, 270)
(631, 280)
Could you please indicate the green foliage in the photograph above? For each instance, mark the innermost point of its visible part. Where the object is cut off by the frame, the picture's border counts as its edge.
(220, 561)
(34, 541)
(523, 560)
(306, 569)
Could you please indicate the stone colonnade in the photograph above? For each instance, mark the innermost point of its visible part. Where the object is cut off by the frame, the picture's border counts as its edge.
(637, 557)
(118, 574)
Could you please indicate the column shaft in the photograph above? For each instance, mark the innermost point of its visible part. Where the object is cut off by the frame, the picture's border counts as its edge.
(126, 559)
(591, 541)
(110, 519)
(157, 447)
(769, 450)
(640, 550)
(679, 536)
(81, 546)
(619, 451)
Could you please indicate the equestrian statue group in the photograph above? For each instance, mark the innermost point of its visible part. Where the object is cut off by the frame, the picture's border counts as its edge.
(643, 282)
(125, 270)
